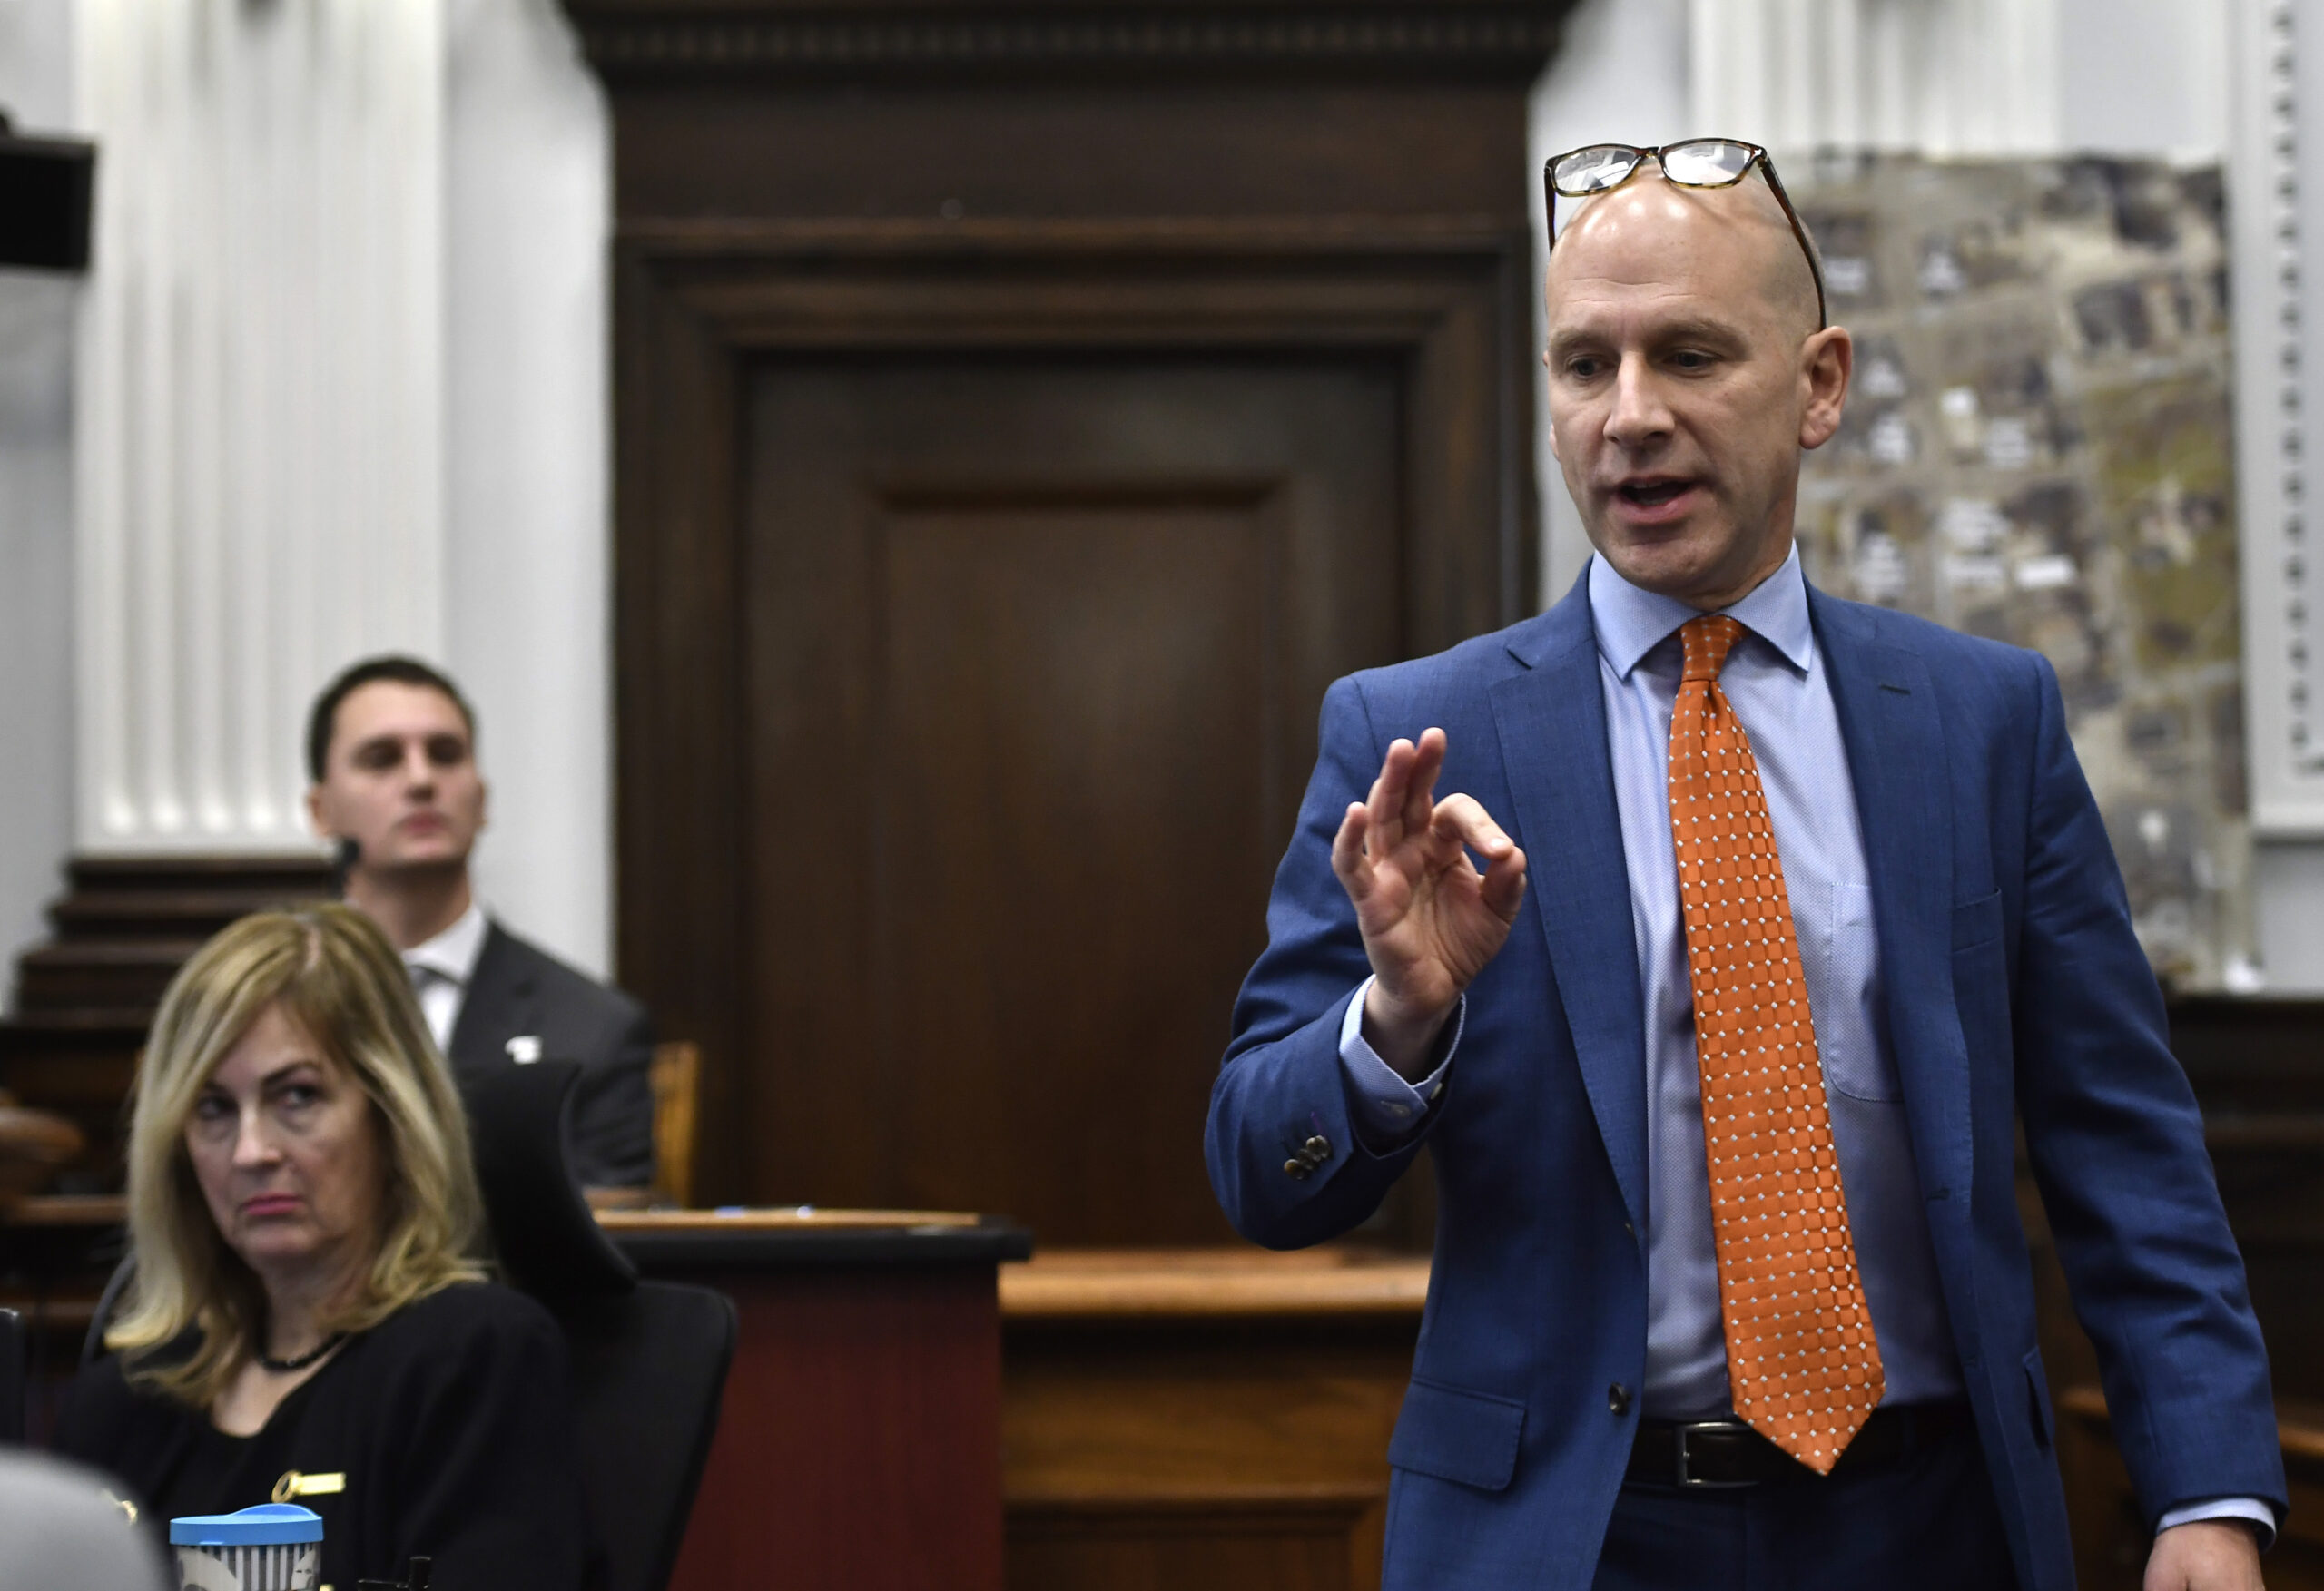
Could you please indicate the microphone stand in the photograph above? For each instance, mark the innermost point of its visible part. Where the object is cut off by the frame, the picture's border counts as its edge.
(342, 863)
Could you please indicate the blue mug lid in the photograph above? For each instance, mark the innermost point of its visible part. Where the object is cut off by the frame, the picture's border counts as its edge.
(267, 1525)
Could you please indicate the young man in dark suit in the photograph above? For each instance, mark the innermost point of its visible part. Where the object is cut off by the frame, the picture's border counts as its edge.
(391, 751)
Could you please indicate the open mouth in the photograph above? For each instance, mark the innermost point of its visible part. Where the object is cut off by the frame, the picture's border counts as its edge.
(1651, 493)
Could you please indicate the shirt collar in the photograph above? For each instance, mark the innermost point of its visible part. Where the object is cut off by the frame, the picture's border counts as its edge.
(1632, 622)
(452, 954)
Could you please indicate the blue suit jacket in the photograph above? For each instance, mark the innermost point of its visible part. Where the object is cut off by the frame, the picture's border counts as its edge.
(2014, 990)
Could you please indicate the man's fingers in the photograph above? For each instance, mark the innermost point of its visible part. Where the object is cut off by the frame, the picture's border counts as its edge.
(1459, 821)
(1504, 885)
(1389, 792)
(1347, 852)
(1420, 788)
(1462, 818)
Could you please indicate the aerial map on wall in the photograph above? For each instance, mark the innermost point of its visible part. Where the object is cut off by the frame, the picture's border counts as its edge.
(2038, 449)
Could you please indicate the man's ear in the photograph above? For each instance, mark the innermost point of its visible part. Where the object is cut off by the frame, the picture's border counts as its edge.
(1553, 417)
(315, 813)
(1827, 360)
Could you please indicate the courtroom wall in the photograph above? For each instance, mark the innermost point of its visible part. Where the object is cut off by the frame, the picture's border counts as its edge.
(522, 416)
(528, 553)
(2033, 77)
(525, 409)
(36, 312)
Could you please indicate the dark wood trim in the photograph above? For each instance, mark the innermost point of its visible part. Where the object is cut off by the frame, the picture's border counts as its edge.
(853, 40)
(714, 1244)
(681, 935)
(85, 996)
(696, 303)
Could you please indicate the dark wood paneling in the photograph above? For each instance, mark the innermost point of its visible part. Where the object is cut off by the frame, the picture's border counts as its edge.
(1420, 320)
(855, 1444)
(937, 43)
(85, 996)
(1299, 1540)
(1209, 1418)
(1029, 670)
(1077, 151)
(678, 791)
(1035, 655)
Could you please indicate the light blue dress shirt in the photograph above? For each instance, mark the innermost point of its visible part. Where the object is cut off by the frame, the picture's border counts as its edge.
(1776, 682)
(1784, 703)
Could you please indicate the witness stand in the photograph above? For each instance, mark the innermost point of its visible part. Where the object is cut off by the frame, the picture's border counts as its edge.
(858, 1445)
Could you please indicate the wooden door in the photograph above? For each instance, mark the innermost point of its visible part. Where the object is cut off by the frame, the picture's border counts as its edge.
(1022, 412)
(1032, 651)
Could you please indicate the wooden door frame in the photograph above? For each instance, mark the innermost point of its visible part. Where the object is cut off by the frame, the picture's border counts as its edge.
(695, 303)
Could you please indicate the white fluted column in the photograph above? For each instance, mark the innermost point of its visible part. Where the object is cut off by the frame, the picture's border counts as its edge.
(261, 398)
(1943, 77)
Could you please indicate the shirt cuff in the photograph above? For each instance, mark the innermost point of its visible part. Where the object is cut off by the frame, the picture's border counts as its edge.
(1388, 1109)
(2251, 1508)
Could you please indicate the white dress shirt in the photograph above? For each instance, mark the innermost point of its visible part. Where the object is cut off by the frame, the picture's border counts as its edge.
(441, 968)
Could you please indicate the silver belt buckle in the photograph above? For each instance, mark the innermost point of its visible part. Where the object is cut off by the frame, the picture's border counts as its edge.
(1679, 1433)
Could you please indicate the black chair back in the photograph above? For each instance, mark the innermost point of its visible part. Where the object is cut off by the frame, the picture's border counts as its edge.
(547, 1237)
(14, 1373)
(92, 1346)
(649, 1370)
(649, 1358)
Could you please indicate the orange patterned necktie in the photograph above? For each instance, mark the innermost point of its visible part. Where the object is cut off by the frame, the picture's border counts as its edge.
(1801, 1360)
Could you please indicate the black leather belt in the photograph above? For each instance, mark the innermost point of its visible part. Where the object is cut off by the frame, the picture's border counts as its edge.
(1728, 1453)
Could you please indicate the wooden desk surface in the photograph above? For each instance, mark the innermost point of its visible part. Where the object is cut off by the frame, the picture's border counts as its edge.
(59, 1209)
(803, 1218)
(748, 1239)
(669, 1241)
(111, 1209)
(1333, 1281)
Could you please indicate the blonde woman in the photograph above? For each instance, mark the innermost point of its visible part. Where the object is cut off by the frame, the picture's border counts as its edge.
(308, 1321)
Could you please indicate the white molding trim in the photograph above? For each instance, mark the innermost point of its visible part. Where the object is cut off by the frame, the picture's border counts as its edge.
(260, 406)
(2283, 687)
(1939, 78)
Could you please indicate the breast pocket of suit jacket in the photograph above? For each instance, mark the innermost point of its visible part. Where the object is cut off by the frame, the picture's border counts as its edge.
(1847, 1033)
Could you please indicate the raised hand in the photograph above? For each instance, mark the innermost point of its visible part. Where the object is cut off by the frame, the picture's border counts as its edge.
(1431, 920)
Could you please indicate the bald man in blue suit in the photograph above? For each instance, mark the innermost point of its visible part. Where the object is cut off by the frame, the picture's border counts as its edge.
(1966, 948)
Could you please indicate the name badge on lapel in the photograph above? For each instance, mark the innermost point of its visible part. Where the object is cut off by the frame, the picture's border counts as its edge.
(295, 1484)
(525, 1049)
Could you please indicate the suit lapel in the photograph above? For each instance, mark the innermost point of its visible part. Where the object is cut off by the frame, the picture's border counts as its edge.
(1552, 723)
(498, 1003)
(1886, 705)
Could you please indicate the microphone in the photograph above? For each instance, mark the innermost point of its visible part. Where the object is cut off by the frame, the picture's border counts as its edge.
(343, 860)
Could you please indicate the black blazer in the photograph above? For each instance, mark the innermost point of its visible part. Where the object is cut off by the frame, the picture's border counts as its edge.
(450, 1422)
(525, 1005)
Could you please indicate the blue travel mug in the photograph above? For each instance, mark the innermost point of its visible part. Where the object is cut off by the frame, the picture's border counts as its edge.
(274, 1546)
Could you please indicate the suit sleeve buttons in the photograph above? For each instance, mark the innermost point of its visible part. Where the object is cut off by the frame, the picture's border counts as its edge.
(1305, 1159)
(1617, 1399)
